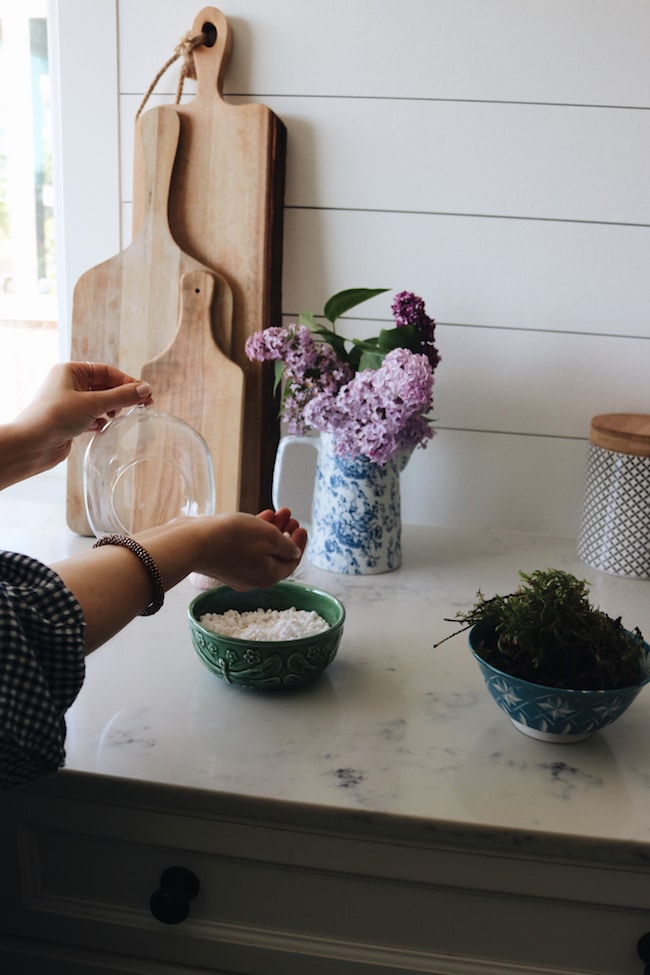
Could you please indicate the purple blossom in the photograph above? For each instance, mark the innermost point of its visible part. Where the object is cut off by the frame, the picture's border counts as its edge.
(380, 412)
(310, 367)
(408, 309)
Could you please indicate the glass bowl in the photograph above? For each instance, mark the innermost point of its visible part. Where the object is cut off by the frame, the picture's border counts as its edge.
(143, 469)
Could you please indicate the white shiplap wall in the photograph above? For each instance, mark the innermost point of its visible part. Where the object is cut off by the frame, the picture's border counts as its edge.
(490, 155)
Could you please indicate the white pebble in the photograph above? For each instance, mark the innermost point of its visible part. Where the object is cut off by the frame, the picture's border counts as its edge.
(265, 624)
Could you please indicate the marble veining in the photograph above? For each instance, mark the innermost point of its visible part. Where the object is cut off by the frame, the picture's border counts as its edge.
(393, 728)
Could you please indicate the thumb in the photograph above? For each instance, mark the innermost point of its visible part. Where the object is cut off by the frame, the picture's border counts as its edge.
(287, 550)
(119, 397)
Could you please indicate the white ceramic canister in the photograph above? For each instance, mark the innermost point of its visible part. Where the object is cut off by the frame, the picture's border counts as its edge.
(615, 526)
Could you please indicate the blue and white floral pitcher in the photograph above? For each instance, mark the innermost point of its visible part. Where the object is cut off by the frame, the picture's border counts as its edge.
(356, 526)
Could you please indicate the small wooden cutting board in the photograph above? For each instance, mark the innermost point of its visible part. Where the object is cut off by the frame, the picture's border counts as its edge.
(195, 381)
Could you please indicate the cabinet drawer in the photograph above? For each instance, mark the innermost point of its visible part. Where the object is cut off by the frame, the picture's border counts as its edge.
(272, 900)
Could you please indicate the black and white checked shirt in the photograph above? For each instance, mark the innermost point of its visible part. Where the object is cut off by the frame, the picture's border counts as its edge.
(42, 666)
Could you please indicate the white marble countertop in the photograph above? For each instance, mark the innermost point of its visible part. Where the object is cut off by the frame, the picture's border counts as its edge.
(394, 728)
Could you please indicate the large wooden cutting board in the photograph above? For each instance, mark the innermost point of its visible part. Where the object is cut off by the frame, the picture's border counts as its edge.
(226, 209)
(126, 310)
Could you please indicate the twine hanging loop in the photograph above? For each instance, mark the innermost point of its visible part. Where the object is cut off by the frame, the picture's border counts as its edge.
(184, 49)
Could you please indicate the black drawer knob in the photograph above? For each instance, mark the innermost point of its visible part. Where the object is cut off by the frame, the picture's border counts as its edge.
(170, 904)
(643, 951)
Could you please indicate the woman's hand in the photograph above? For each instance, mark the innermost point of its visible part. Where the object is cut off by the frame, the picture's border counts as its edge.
(282, 519)
(81, 396)
(75, 397)
(259, 551)
(241, 550)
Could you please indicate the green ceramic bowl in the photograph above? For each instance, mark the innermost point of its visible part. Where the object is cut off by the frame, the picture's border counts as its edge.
(267, 664)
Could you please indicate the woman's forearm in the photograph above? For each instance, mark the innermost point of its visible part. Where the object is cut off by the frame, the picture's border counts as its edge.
(113, 586)
(21, 454)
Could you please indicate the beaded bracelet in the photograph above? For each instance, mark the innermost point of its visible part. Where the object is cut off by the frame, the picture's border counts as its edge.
(127, 542)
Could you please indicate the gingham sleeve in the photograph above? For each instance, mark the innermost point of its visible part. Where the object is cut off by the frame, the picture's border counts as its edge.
(42, 667)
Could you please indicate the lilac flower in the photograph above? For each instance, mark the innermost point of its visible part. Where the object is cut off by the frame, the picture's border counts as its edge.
(310, 367)
(408, 309)
(380, 412)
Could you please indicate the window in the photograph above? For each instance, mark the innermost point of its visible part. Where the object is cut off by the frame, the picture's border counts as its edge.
(28, 307)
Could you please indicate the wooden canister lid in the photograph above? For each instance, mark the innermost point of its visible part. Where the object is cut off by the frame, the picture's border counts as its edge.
(625, 433)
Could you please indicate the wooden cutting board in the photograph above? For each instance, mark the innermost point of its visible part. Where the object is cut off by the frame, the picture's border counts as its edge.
(226, 209)
(195, 381)
(126, 310)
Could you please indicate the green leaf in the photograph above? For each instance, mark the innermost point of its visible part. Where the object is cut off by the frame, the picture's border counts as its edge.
(371, 352)
(405, 337)
(278, 370)
(324, 334)
(367, 353)
(368, 344)
(307, 318)
(354, 357)
(343, 301)
(371, 360)
(338, 344)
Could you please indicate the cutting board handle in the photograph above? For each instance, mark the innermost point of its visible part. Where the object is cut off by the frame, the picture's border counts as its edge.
(211, 59)
(160, 131)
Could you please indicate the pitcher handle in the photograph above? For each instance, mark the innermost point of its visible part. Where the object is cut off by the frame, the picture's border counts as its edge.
(300, 507)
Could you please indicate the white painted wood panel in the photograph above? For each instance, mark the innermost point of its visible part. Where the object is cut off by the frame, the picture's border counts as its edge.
(450, 157)
(496, 481)
(469, 158)
(570, 51)
(498, 272)
(477, 479)
(536, 383)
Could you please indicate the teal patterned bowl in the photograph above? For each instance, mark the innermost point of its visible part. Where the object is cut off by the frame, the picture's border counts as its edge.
(557, 714)
(267, 664)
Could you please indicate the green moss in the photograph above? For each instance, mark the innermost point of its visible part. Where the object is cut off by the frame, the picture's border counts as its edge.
(547, 632)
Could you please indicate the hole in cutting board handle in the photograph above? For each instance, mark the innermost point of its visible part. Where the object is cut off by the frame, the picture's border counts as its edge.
(210, 32)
